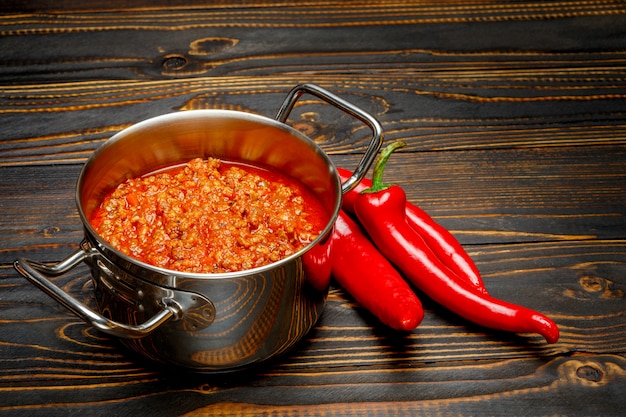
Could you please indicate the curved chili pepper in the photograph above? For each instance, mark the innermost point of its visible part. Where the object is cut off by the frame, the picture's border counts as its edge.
(369, 277)
(438, 238)
(381, 210)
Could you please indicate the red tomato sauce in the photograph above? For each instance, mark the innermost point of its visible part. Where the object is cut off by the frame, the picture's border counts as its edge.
(210, 216)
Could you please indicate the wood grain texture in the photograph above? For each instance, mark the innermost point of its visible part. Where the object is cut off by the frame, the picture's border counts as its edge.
(515, 119)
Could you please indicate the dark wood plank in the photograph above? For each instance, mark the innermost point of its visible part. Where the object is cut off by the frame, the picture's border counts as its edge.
(520, 195)
(419, 73)
(428, 121)
(348, 349)
(564, 279)
(514, 117)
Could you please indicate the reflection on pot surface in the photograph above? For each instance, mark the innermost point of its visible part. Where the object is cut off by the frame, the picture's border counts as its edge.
(247, 317)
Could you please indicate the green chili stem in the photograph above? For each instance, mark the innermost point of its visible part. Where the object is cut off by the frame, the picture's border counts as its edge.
(379, 168)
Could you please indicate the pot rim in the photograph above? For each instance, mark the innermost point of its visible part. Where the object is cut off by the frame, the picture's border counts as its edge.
(104, 245)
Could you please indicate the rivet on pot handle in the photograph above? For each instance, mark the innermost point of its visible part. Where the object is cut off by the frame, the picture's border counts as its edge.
(351, 109)
(35, 272)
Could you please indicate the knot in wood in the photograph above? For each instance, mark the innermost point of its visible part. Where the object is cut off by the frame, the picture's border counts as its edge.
(50, 231)
(604, 288)
(592, 284)
(590, 373)
(305, 128)
(174, 62)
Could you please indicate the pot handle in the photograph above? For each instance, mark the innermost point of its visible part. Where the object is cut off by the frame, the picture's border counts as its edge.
(377, 130)
(37, 273)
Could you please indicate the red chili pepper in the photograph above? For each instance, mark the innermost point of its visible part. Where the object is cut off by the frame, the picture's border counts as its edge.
(381, 210)
(369, 277)
(317, 264)
(438, 238)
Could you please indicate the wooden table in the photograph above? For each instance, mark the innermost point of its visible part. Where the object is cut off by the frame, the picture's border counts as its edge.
(515, 119)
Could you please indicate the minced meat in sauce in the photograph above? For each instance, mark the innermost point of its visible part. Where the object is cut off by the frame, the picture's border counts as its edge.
(210, 216)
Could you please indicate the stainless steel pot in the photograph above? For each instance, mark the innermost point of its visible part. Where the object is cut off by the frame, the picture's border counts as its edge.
(207, 322)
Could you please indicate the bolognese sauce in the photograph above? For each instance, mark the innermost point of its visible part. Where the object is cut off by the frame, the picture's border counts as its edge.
(210, 216)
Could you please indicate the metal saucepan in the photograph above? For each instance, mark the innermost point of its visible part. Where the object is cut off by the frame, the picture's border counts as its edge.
(207, 322)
